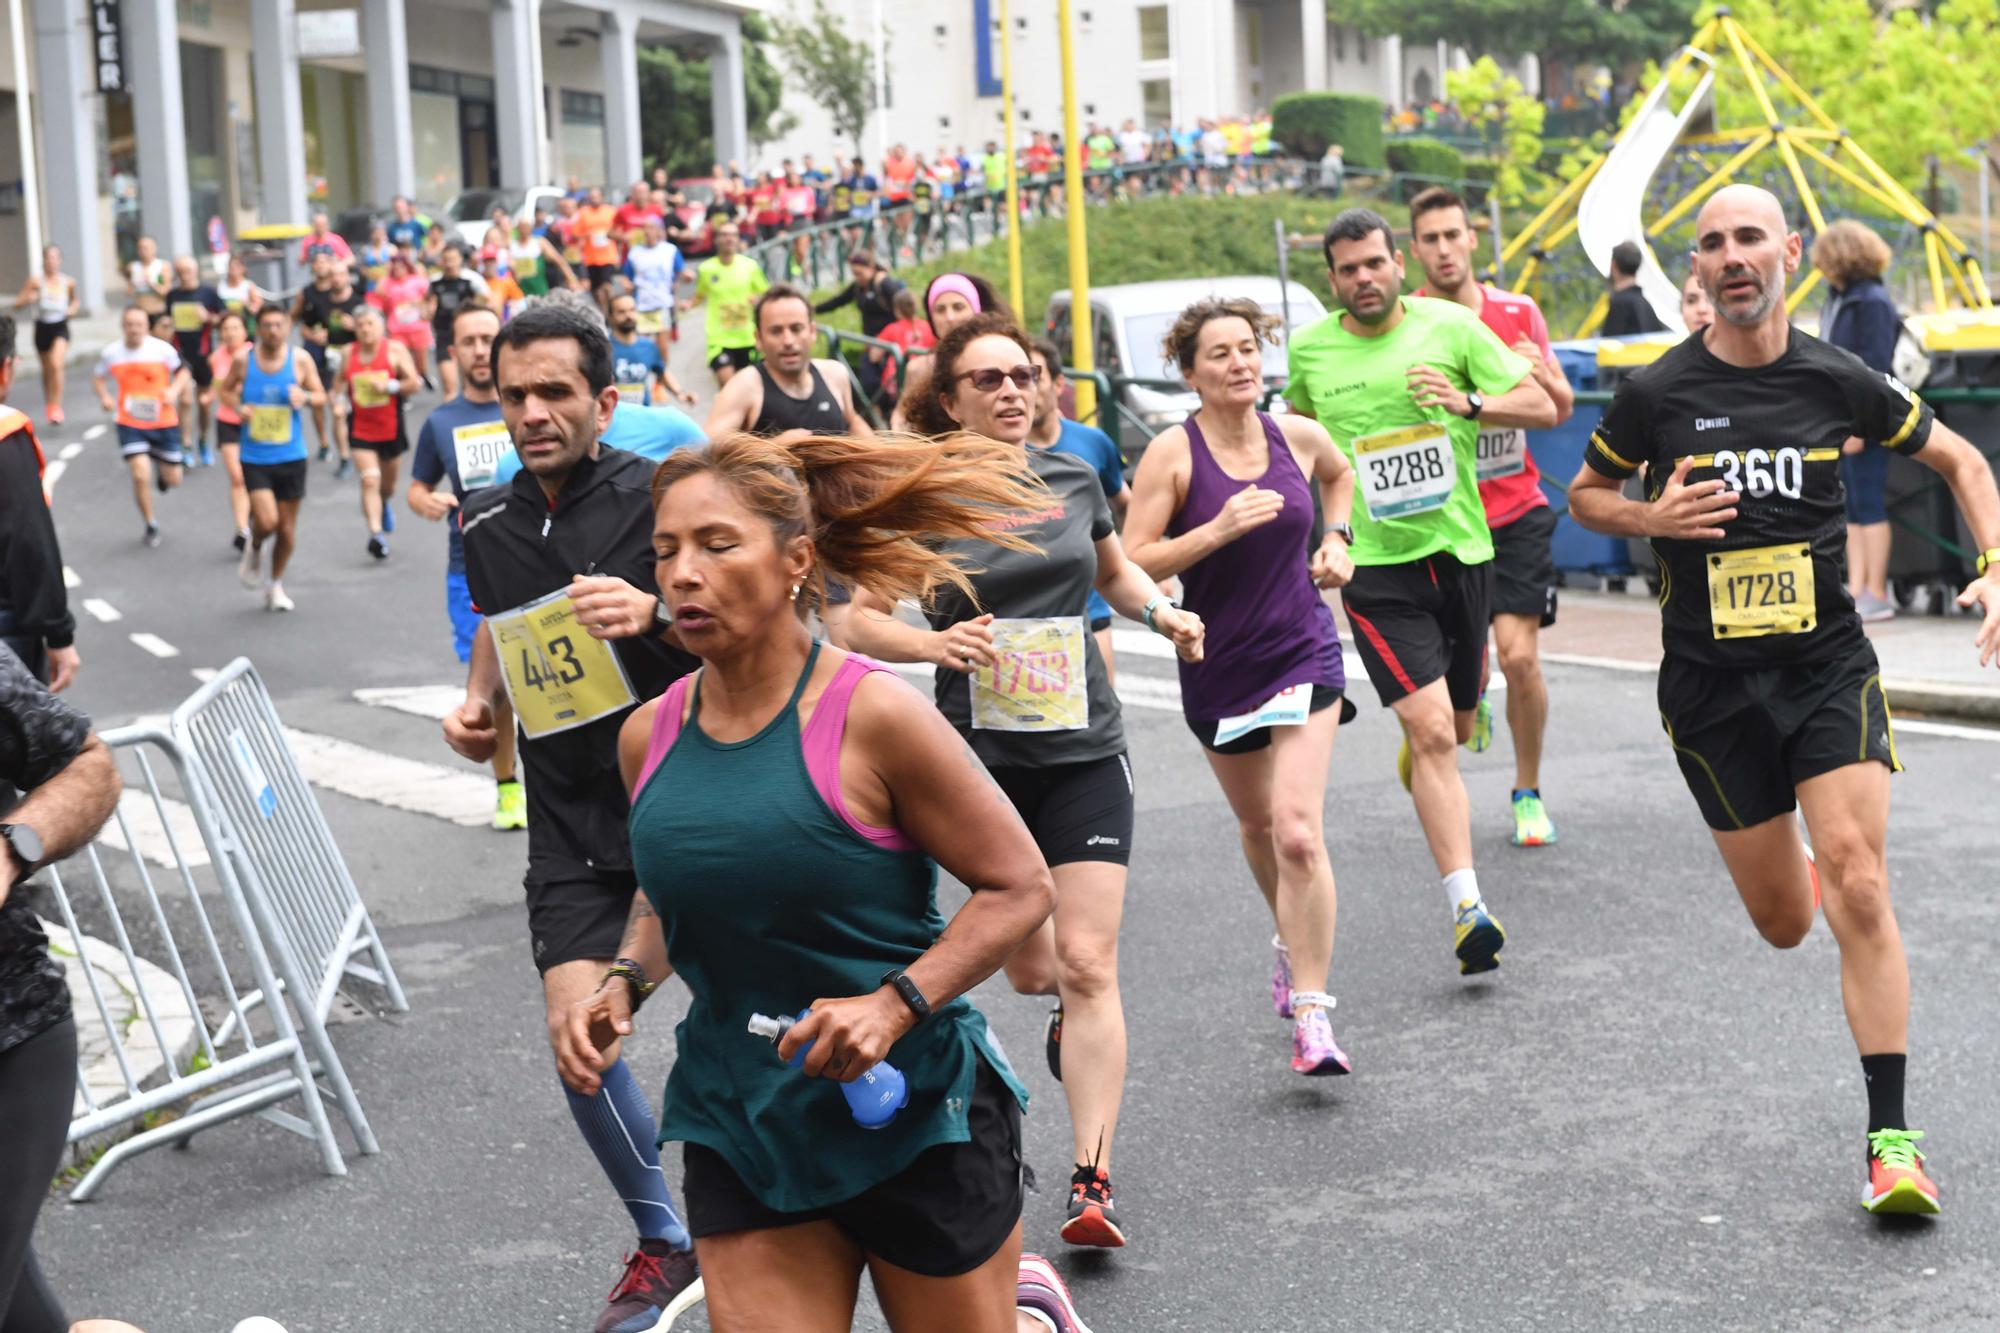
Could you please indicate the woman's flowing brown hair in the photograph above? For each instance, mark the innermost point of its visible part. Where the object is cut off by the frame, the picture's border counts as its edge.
(875, 508)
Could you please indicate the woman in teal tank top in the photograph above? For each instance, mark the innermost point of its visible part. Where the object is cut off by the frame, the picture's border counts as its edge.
(791, 804)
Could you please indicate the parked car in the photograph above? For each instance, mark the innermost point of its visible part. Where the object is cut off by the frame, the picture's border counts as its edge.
(1128, 324)
(470, 212)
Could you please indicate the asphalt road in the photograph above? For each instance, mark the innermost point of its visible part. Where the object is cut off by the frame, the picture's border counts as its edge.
(1645, 1120)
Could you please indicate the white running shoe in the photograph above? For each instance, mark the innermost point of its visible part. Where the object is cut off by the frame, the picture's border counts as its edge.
(250, 569)
(275, 599)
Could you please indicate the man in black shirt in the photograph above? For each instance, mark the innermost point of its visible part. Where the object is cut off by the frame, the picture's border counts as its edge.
(450, 289)
(559, 561)
(35, 619)
(312, 316)
(1629, 312)
(1769, 690)
(194, 307)
(48, 752)
(873, 295)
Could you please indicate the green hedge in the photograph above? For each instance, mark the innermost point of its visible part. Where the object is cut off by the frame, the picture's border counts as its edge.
(1305, 123)
(1424, 157)
(1480, 173)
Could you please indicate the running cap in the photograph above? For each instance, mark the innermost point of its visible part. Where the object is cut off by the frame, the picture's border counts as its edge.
(955, 282)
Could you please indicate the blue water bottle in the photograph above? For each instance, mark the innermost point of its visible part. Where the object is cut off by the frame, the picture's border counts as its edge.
(874, 1098)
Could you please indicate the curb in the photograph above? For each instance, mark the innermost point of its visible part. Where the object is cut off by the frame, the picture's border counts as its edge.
(1938, 699)
(102, 1073)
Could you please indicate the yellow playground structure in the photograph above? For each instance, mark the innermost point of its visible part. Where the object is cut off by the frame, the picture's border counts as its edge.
(1673, 154)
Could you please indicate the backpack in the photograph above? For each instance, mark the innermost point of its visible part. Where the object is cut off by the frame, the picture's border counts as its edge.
(1908, 362)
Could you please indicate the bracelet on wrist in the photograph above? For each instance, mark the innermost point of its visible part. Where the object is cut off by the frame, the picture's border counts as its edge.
(1152, 610)
(634, 977)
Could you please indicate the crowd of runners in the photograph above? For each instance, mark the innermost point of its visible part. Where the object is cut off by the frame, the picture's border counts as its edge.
(674, 635)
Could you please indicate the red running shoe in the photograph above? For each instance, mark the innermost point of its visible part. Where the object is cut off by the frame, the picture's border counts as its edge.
(659, 1285)
(1093, 1218)
(1896, 1179)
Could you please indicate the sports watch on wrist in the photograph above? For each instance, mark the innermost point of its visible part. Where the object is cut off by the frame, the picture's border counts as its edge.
(1344, 531)
(635, 979)
(1988, 557)
(663, 619)
(1475, 403)
(25, 845)
(907, 989)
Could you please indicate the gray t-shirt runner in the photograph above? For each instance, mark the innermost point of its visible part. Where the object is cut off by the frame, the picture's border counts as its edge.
(1053, 581)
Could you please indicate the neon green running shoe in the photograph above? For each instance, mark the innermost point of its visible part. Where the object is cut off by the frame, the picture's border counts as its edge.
(510, 806)
(1532, 825)
(1404, 762)
(1482, 728)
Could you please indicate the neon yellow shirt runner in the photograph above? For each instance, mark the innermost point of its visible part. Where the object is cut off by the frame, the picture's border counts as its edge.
(557, 676)
(730, 292)
(1416, 492)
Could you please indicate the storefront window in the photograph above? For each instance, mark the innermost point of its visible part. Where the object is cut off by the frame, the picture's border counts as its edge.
(202, 118)
(581, 138)
(332, 101)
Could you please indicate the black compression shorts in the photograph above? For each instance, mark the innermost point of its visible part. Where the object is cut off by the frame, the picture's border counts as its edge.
(1419, 622)
(946, 1213)
(1077, 812)
(385, 449)
(1746, 739)
(1522, 578)
(285, 481)
(581, 916)
(46, 334)
(229, 432)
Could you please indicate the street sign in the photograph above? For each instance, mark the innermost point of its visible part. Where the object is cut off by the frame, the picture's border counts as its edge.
(107, 38)
(325, 34)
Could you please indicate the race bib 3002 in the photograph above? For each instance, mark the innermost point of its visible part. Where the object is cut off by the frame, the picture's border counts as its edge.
(1502, 452)
(1040, 684)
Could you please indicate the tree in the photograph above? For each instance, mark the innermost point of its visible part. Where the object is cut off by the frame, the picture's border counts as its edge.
(675, 107)
(1494, 102)
(833, 69)
(1607, 31)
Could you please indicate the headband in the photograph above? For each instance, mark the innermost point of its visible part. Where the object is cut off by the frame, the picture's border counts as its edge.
(954, 282)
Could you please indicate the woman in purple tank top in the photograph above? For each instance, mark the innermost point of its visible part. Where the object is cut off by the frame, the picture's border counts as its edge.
(1223, 502)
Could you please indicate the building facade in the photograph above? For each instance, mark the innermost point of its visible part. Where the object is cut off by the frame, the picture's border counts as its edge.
(183, 118)
(1157, 62)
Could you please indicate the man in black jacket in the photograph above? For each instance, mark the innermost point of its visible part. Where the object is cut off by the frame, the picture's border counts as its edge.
(873, 294)
(559, 561)
(35, 620)
(1629, 311)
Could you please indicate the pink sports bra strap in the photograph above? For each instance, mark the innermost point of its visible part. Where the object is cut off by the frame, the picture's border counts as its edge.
(666, 730)
(821, 743)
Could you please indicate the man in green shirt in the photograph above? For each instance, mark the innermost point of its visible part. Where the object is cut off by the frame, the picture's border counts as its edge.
(729, 282)
(1403, 384)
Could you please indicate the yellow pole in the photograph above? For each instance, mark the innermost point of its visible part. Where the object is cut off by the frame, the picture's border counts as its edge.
(1076, 207)
(1013, 170)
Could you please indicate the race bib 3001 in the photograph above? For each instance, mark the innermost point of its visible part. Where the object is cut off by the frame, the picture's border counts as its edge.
(479, 449)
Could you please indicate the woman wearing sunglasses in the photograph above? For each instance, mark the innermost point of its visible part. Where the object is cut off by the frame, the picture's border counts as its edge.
(1021, 678)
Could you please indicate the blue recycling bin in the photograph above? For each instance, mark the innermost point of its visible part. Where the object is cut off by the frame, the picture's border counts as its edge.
(1559, 453)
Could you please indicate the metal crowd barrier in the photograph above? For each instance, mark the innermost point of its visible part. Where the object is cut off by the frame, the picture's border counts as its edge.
(175, 1053)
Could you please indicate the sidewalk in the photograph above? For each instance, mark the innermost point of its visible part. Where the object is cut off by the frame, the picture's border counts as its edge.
(1929, 664)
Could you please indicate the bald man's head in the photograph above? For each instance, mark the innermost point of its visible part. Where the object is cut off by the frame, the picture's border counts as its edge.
(1743, 253)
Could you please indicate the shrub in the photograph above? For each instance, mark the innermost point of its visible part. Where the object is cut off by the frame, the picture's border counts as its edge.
(1424, 157)
(1479, 173)
(1305, 123)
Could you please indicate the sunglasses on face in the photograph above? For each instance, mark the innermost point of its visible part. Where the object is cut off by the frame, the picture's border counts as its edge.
(988, 380)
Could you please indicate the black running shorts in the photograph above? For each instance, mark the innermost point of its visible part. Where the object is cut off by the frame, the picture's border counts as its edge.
(578, 916)
(1419, 622)
(229, 432)
(1077, 812)
(384, 449)
(1324, 696)
(600, 275)
(285, 481)
(1522, 577)
(46, 334)
(945, 1214)
(1746, 739)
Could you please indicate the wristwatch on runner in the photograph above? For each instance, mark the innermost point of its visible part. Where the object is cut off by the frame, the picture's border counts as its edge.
(1988, 557)
(25, 846)
(1344, 531)
(907, 988)
(1475, 403)
(663, 619)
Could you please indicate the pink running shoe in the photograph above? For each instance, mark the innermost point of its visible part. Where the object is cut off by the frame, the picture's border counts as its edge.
(1314, 1051)
(1281, 979)
(1041, 1291)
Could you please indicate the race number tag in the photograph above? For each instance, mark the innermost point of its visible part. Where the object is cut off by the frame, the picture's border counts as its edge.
(1408, 470)
(142, 407)
(270, 425)
(407, 312)
(1762, 590)
(599, 239)
(650, 321)
(1287, 708)
(1039, 684)
(558, 677)
(1502, 453)
(632, 393)
(371, 390)
(188, 317)
(479, 449)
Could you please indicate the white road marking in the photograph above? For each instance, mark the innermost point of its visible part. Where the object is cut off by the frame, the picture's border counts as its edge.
(101, 609)
(52, 474)
(431, 701)
(96, 432)
(1919, 727)
(155, 645)
(203, 674)
(457, 795)
(71, 579)
(69, 451)
(136, 812)
(1604, 663)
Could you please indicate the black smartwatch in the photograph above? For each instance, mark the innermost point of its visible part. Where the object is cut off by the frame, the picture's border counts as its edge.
(1344, 531)
(663, 619)
(1475, 403)
(908, 990)
(26, 846)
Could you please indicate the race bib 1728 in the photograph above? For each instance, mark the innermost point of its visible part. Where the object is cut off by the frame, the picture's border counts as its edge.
(1762, 590)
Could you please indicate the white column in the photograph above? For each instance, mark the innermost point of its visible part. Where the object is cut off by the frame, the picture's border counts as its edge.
(624, 144)
(1312, 46)
(392, 155)
(729, 112)
(66, 76)
(1391, 52)
(281, 125)
(159, 122)
(518, 82)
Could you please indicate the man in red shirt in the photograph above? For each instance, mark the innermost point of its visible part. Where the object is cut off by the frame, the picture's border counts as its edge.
(629, 221)
(1523, 571)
